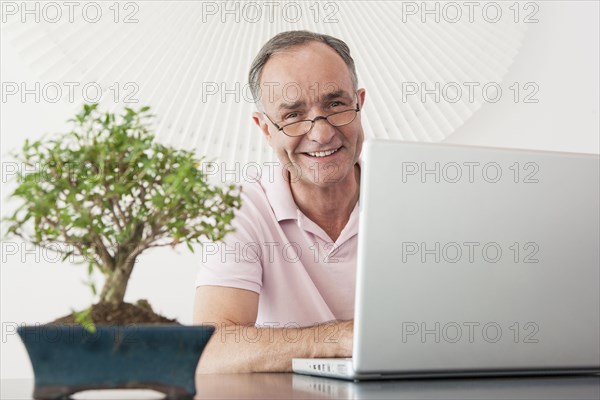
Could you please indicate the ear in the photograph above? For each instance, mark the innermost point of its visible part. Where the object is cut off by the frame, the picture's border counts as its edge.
(361, 97)
(259, 120)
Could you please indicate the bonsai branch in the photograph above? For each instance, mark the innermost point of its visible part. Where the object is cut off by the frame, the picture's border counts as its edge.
(116, 219)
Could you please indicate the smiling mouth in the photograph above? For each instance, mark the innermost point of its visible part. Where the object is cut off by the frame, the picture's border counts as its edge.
(323, 153)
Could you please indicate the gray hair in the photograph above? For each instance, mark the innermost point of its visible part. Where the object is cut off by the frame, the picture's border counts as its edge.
(286, 40)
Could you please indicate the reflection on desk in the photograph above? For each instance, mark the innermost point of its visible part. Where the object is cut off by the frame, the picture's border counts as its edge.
(274, 386)
(287, 386)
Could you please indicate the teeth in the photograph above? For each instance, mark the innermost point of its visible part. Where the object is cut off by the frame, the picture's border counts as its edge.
(322, 153)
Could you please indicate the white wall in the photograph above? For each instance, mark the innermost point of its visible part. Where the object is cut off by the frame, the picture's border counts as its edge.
(560, 54)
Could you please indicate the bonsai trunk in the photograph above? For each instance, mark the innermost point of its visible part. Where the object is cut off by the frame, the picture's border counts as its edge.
(113, 291)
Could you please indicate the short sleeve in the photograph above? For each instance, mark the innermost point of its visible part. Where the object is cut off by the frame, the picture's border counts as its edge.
(236, 261)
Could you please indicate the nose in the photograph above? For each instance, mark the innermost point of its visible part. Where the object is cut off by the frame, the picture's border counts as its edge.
(322, 131)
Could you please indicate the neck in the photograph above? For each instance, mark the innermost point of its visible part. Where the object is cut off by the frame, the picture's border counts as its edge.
(329, 207)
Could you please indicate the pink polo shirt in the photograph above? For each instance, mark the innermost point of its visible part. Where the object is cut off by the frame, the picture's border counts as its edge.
(278, 252)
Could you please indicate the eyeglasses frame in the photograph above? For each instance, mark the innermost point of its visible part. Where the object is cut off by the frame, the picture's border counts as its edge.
(280, 128)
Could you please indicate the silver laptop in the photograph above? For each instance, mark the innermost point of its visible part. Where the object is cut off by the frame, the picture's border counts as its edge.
(473, 261)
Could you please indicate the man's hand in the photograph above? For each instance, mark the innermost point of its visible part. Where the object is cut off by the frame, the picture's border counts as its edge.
(346, 336)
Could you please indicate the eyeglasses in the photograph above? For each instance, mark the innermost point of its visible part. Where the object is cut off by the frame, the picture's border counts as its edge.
(300, 128)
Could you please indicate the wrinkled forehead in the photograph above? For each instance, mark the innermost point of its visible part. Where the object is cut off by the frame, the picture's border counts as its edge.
(305, 74)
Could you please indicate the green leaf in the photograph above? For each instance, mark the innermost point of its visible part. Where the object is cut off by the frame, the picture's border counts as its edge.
(190, 246)
(84, 318)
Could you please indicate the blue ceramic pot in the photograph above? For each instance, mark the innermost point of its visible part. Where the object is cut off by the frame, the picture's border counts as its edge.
(67, 359)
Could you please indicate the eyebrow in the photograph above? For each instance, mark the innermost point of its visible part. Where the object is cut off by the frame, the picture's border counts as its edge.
(335, 95)
(327, 97)
(291, 106)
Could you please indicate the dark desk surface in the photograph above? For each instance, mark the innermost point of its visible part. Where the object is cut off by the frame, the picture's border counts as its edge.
(284, 386)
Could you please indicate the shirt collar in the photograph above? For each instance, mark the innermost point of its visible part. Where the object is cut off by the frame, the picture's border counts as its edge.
(275, 182)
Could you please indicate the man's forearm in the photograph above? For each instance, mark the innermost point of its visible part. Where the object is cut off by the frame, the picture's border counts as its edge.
(236, 348)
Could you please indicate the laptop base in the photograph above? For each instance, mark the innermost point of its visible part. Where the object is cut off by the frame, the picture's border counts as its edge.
(341, 368)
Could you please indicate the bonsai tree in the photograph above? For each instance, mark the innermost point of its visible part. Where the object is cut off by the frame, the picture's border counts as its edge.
(106, 191)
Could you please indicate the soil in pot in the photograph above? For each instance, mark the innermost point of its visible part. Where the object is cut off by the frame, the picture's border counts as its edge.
(121, 314)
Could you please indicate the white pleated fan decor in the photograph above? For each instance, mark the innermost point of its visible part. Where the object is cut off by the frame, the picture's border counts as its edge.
(189, 61)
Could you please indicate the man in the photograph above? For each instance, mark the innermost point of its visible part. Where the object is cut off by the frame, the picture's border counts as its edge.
(282, 285)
